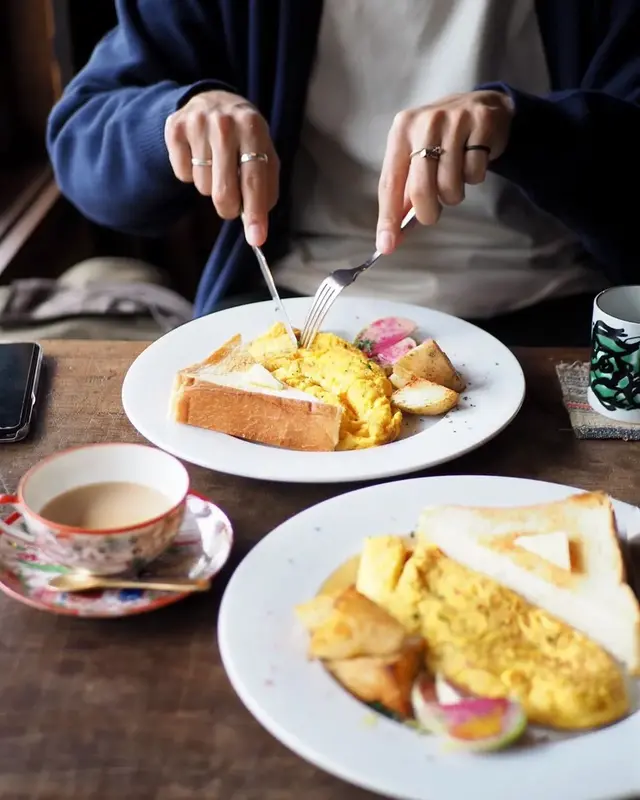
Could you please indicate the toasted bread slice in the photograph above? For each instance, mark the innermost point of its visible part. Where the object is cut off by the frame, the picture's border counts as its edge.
(592, 595)
(230, 392)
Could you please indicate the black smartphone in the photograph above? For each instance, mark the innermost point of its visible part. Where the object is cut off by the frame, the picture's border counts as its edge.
(20, 368)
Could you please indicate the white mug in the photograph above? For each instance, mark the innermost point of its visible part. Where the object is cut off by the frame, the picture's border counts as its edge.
(102, 552)
(614, 371)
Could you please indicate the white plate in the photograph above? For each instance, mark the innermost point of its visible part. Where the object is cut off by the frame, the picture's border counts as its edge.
(264, 652)
(494, 396)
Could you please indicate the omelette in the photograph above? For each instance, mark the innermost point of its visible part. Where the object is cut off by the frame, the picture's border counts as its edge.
(488, 641)
(338, 373)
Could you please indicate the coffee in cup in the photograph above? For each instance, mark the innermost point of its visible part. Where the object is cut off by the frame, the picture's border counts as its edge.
(106, 508)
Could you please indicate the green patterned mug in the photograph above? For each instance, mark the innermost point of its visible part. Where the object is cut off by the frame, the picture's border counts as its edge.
(614, 374)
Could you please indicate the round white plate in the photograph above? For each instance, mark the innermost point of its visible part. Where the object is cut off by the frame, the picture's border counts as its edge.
(493, 397)
(264, 652)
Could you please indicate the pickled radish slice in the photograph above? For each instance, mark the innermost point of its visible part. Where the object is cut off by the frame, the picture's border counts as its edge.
(446, 692)
(389, 356)
(384, 333)
(473, 724)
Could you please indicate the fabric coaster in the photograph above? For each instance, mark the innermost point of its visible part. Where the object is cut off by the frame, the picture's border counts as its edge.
(586, 423)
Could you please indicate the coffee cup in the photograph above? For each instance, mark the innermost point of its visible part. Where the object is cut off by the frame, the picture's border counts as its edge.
(104, 508)
(614, 370)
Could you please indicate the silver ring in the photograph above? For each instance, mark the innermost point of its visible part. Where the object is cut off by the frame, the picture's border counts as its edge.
(246, 157)
(201, 162)
(434, 152)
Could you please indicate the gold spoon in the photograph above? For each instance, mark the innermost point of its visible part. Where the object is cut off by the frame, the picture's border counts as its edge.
(84, 582)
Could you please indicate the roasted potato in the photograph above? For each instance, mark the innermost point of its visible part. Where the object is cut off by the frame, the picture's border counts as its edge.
(381, 564)
(424, 397)
(354, 627)
(316, 612)
(427, 361)
(382, 679)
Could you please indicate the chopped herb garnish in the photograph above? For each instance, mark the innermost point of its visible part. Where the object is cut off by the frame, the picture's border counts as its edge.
(386, 712)
(366, 345)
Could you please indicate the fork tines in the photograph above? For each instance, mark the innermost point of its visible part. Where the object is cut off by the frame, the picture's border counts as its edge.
(323, 300)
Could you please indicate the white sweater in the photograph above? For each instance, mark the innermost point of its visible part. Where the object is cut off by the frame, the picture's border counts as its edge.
(494, 253)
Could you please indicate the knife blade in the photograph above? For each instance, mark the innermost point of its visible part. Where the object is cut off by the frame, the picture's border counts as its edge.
(273, 291)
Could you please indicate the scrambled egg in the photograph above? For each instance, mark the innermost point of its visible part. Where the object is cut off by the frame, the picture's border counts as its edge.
(337, 372)
(488, 641)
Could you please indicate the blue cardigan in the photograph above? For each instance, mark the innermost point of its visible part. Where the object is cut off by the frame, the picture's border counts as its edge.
(572, 151)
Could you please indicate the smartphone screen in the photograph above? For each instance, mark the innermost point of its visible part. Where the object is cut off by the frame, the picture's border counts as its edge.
(18, 361)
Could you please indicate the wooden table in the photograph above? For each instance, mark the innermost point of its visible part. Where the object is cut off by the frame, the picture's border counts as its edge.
(140, 708)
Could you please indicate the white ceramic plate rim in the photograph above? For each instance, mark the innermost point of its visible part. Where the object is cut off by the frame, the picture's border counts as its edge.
(308, 712)
(494, 396)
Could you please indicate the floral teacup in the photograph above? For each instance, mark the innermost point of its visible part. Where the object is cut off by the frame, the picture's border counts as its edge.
(101, 551)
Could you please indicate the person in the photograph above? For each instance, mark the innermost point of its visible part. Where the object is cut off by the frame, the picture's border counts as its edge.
(511, 128)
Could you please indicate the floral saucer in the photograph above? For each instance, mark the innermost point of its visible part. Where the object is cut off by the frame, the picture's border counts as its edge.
(200, 550)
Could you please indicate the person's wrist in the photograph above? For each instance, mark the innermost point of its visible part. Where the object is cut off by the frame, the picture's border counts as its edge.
(202, 87)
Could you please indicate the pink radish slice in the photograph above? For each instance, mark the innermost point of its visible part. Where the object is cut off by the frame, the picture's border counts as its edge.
(384, 333)
(474, 724)
(389, 356)
(447, 692)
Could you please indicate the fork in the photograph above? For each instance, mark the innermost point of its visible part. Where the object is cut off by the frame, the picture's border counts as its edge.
(332, 286)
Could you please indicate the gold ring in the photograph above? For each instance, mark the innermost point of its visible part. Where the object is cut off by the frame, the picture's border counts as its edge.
(434, 152)
(201, 162)
(246, 157)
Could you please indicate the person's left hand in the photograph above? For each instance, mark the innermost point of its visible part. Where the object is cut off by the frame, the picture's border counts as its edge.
(473, 118)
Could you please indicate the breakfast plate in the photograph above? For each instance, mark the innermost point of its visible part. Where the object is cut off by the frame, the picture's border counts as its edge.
(201, 550)
(494, 394)
(264, 651)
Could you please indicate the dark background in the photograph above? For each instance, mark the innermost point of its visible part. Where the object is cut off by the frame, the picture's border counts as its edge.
(42, 44)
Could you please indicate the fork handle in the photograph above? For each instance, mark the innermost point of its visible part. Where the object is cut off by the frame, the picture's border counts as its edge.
(409, 218)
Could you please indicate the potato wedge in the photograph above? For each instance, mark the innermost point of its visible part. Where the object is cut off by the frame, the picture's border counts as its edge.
(427, 361)
(315, 612)
(382, 679)
(356, 627)
(381, 564)
(424, 397)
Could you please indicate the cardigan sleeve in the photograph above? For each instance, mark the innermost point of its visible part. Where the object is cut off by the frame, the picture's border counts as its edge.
(105, 136)
(576, 153)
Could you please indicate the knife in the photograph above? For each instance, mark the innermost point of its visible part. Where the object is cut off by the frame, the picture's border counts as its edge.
(273, 291)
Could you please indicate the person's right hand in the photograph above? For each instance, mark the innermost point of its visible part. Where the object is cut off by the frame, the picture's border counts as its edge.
(220, 126)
